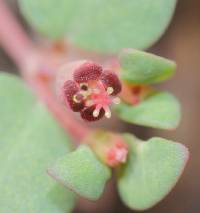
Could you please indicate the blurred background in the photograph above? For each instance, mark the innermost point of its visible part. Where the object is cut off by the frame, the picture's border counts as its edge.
(181, 43)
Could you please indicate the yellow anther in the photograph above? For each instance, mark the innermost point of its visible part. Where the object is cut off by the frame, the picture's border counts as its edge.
(110, 90)
(116, 100)
(75, 99)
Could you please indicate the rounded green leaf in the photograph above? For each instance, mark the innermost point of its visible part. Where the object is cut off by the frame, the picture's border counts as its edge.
(101, 25)
(152, 170)
(30, 140)
(82, 172)
(159, 110)
(145, 68)
(49, 17)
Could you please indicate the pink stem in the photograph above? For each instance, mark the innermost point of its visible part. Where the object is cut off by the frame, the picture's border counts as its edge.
(20, 48)
(12, 37)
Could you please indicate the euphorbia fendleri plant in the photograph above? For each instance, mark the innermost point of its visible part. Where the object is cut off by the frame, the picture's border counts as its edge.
(72, 94)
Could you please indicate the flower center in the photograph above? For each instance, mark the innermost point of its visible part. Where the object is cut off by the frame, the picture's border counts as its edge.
(99, 97)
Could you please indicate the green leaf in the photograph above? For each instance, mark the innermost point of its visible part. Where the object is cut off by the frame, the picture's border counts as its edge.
(152, 170)
(49, 17)
(145, 68)
(30, 140)
(159, 110)
(101, 25)
(82, 172)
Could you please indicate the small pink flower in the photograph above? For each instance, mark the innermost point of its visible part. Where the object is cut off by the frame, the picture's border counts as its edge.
(111, 148)
(117, 154)
(92, 91)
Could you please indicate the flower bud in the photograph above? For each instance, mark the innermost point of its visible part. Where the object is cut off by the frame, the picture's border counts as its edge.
(133, 94)
(110, 80)
(88, 71)
(109, 147)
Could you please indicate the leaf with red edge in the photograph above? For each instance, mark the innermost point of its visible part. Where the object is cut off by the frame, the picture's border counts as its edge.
(82, 172)
(152, 170)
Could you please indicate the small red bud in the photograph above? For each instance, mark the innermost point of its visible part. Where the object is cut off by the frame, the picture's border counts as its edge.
(110, 79)
(70, 90)
(111, 148)
(88, 71)
(87, 114)
(117, 154)
(136, 90)
(134, 94)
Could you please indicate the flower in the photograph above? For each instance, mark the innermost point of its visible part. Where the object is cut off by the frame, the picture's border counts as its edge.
(117, 154)
(110, 147)
(92, 91)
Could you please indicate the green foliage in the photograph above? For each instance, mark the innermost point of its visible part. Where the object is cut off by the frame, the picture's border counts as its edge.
(101, 25)
(152, 170)
(30, 141)
(82, 172)
(49, 17)
(145, 68)
(159, 110)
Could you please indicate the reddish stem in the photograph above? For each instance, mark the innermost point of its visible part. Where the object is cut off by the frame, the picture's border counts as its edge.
(21, 49)
(12, 37)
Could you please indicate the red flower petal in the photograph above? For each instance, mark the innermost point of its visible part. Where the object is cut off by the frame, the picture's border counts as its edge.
(87, 71)
(70, 89)
(110, 79)
(87, 114)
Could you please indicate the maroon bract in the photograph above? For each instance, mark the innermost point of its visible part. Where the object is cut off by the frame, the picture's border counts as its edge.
(87, 114)
(92, 91)
(111, 80)
(87, 72)
(71, 94)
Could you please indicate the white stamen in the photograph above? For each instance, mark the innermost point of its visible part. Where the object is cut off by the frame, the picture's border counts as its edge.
(108, 115)
(110, 90)
(96, 113)
(75, 99)
(116, 100)
(107, 112)
(121, 155)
